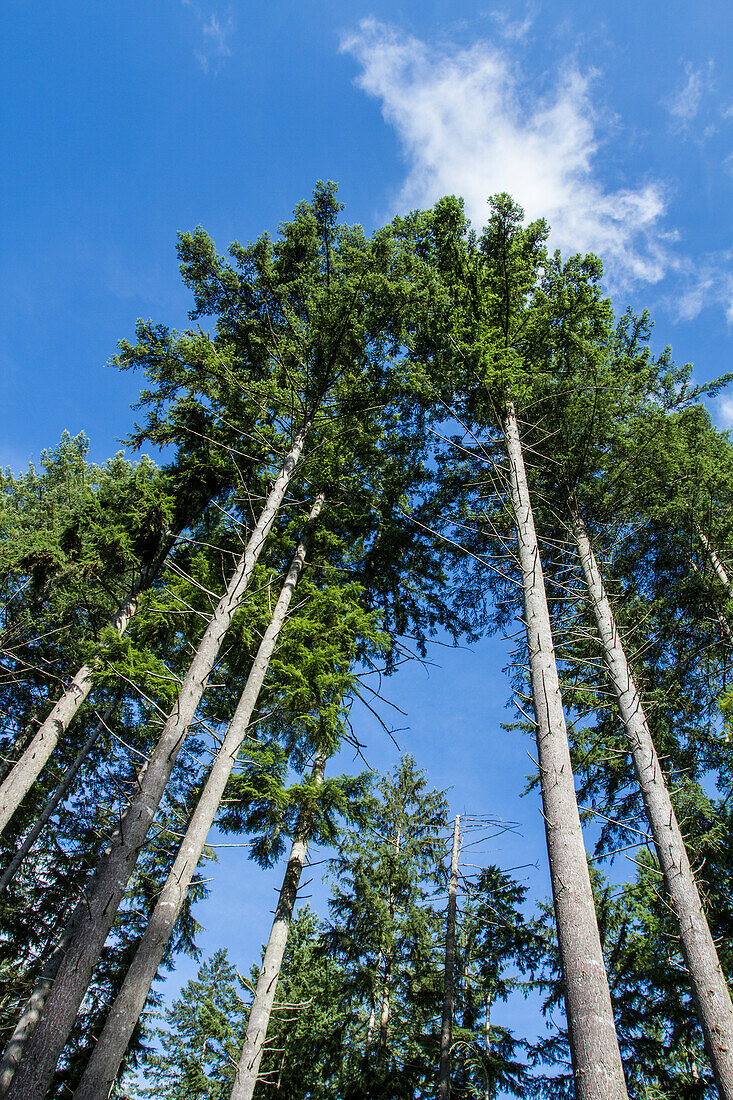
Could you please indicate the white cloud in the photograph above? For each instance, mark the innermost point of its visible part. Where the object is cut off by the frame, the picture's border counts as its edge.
(684, 105)
(725, 412)
(470, 125)
(514, 30)
(708, 282)
(215, 34)
(215, 45)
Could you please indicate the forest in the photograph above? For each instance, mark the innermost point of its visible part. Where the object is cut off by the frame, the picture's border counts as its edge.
(366, 442)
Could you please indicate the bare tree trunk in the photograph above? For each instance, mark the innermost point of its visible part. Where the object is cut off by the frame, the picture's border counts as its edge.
(715, 561)
(709, 987)
(446, 1031)
(98, 907)
(259, 1016)
(385, 1011)
(372, 1021)
(487, 1045)
(387, 984)
(30, 1015)
(33, 760)
(58, 795)
(101, 1071)
(597, 1069)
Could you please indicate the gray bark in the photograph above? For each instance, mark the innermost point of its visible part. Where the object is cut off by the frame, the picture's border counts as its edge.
(30, 1015)
(372, 1021)
(385, 1011)
(487, 1045)
(264, 998)
(387, 982)
(709, 988)
(58, 795)
(101, 1071)
(725, 627)
(715, 561)
(105, 891)
(33, 760)
(597, 1069)
(446, 1031)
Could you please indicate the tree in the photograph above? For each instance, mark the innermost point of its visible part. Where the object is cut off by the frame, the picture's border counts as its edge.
(200, 1037)
(496, 329)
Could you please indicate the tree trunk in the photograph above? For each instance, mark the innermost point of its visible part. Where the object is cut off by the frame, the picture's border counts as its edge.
(384, 1014)
(106, 889)
(709, 989)
(33, 760)
(446, 1031)
(715, 561)
(372, 1021)
(259, 1016)
(31, 1014)
(387, 951)
(58, 795)
(597, 1069)
(487, 1047)
(100, 1073)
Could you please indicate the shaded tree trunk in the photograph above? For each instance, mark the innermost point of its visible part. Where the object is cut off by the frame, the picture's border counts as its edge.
(718, 567)
(487, 1047)
(597, 1068)
(101, 1071)
(264, 998)
(372, 1021)
(446, 1031)
(385, 1011)
(98, 907)
(709, 988)
(56, 798)
(31, 1014)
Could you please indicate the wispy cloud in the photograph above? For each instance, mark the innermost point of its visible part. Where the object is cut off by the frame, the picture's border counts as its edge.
(216, 31)
(470, 124)
(708, 282)
(515, 29)
(684, 104)
(215, 43)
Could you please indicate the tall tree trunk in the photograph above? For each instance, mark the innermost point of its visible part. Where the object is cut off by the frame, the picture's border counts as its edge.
(709, 988)
(385, 1011)
(58, 795)
(718, 567)
(98, 907)
(100, 1073)
(446, 1031)
(31, 1014)
(33, 760)
(387, 951)
(487, 1046)
(725, 627)
(597, 1069)
(259, 1016)
(372, 1021)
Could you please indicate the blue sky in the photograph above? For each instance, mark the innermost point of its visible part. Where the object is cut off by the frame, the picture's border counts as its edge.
(126, 122)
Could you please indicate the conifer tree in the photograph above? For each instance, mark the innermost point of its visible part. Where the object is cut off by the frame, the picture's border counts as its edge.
(495, 330)
(339, 287)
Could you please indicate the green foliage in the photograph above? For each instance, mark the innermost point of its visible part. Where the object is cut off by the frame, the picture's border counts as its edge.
(200, 1038)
